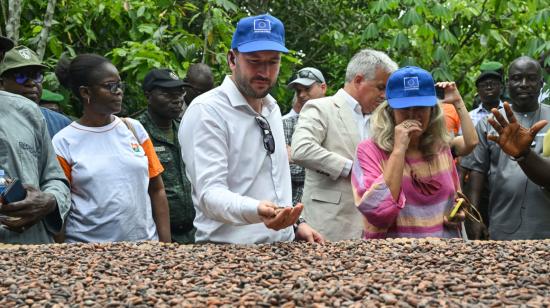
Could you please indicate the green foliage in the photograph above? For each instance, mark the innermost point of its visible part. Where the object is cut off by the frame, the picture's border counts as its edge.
(137, 35)
(449, 38)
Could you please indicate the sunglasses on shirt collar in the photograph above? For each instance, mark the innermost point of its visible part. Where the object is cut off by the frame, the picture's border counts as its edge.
(267, 135)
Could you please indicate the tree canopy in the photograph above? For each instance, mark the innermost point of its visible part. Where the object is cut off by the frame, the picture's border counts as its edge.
(449, 38)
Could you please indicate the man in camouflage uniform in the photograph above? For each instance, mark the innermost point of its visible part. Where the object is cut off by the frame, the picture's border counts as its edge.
(165, 93)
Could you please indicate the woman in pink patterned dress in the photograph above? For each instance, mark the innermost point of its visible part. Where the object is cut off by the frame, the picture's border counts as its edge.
(404, 179)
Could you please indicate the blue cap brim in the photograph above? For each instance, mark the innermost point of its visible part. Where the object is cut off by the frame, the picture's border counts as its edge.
(261, 46)
(414, 101)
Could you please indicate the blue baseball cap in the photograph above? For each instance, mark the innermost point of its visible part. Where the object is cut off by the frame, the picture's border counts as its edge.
(259, 33)
(410, 86)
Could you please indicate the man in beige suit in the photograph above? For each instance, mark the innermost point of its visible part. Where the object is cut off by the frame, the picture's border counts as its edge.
(325, 141)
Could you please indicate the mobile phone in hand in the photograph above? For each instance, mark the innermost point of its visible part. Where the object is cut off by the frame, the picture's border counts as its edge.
(440, 92)
(456, 208)
(14, 192)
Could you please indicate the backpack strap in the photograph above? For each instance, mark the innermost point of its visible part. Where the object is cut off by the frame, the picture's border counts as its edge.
(130, 127)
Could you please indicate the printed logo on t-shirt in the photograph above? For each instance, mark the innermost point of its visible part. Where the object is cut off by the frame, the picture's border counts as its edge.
(137, 149)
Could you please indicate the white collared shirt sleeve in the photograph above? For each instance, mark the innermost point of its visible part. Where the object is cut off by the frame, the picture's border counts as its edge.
(347, 168)
(207, 168)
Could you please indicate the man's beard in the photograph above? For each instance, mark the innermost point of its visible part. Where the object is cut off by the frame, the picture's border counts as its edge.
(246, 89)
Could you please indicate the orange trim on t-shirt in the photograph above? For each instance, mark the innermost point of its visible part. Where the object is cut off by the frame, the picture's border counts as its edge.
(155, 167)
(66, 168)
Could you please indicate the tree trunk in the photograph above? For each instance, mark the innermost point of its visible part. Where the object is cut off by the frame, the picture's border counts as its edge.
(4, 16)
(43, 41)
(14, 19)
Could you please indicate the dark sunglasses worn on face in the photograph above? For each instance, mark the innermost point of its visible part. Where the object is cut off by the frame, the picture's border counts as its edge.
(114, 86)
(308, 74)
(269, 141)
(22, 78)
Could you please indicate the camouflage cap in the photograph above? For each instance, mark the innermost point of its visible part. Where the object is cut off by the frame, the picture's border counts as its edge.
(20, 56)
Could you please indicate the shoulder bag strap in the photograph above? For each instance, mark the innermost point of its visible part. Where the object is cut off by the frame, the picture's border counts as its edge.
(130, 127)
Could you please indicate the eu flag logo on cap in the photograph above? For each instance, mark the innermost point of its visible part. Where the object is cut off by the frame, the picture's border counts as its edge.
(262, 25)
(259, 33)
(411, 83)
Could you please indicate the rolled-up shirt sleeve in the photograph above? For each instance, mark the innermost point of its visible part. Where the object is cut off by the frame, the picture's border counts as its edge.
(373, 197)
(206, 158)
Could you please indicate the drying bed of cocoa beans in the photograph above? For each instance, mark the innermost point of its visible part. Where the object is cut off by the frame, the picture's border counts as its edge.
(404, 273)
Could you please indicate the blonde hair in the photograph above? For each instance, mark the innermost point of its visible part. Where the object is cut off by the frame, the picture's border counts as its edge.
(435, 136)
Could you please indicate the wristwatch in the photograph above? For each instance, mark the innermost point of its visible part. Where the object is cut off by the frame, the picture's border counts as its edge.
(300, 221)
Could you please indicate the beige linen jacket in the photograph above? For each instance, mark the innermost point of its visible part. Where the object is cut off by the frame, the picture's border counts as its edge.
(326, 135)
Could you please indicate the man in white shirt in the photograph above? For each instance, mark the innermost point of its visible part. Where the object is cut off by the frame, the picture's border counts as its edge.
(325, 141)
(234, 150)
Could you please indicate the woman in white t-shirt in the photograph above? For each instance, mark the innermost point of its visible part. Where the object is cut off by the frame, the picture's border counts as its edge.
(117, 193)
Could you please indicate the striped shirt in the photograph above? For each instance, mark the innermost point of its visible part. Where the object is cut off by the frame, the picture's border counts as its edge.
(413, 214)
(480, 112)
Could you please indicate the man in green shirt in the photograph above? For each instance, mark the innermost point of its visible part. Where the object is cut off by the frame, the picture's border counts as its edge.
(26, 153)
(165, 96)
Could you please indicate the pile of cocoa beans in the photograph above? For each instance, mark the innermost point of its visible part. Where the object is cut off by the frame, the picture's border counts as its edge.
(403, 272)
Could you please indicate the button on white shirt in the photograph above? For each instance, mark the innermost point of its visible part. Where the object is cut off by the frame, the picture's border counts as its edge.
(362, 121)
(229, 168)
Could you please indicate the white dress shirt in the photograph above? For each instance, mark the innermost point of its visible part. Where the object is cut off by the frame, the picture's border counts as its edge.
(291, 113)
(362, 121)
(229, 168)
